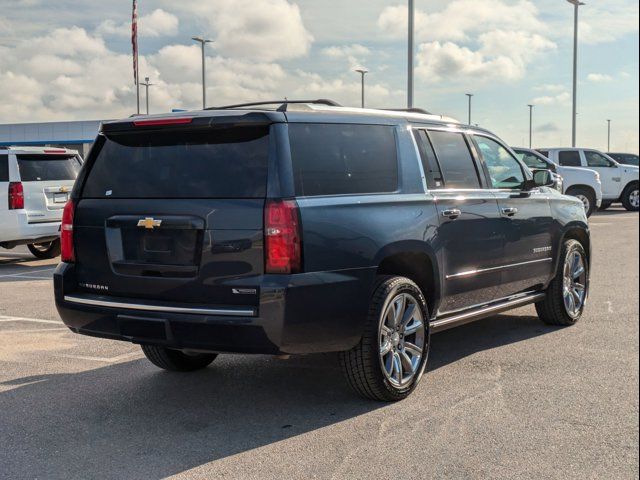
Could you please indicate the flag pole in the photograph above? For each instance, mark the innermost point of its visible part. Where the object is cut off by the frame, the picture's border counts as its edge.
(134, 45)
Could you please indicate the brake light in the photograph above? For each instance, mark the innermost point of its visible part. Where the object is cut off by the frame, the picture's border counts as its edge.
(67, 251)
(16, 196)
(154, 122)
(282, 237)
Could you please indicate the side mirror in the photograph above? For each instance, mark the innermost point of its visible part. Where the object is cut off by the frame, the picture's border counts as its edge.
(541, 178)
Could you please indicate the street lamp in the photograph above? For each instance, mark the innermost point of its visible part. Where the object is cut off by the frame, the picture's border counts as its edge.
(410, 61)
(362, 72)
(530, 124)
(608, 135)
(146, 89)
(576, 4)
(203, 42)
(469, 95)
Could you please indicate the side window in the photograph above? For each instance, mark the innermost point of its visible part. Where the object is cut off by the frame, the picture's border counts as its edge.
(505, 171)
(429, 162)
(338, 159)
(458, 167)
(594, 159)
(531, 161)
(569, 158)
(4, 168)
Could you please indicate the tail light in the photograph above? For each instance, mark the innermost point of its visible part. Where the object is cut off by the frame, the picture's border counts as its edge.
(16, 196)
(282, 237)
(67, 252)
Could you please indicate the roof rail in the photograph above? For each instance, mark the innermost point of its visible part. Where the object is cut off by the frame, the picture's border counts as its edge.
(283, 104)
(408, 110)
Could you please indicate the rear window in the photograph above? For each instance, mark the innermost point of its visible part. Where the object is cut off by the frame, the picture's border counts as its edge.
(4, 168)
(337, 159)
(41, 168)
(230, 163)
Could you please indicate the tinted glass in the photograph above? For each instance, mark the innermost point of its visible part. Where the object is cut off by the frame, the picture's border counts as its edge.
(570, 159)
(38, 168)
(531, 160)
(343, 159)
(229, 163)
(544, 153)
(504, 169)
(625, 158)
(429, 162)
(458, 167)
(4, 168)
(595, 159)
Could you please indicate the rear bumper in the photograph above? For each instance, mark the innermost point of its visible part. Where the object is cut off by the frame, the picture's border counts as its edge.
(304, 313)
(16, 229)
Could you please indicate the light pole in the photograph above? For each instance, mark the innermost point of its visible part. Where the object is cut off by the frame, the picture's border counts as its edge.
(410, 62)
(469, 95)
(576, 4)
(362, 72)
(146, 85)
(608, 135)
(530, 124)
(203, 41)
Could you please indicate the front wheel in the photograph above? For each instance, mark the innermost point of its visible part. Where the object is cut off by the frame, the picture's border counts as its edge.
(175, 360)
(630, 199)
(45, 250)
(566, 296)
(391, 357)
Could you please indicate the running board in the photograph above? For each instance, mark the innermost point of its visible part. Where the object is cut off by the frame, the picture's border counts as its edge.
(438, 325)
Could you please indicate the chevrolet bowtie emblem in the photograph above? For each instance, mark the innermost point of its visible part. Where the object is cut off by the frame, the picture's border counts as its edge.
(149, 223)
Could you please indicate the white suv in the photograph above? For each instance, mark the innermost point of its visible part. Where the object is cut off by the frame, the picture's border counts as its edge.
(35, 183)
(581, 183)
(619, 182)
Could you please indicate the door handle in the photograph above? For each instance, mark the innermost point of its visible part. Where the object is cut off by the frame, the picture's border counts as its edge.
(509, 211)
(451, 213)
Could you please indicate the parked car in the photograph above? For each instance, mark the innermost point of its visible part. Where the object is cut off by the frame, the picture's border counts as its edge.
(619, 182)
(581, 183)
(311, 228)
(35, 184)
(625, 158)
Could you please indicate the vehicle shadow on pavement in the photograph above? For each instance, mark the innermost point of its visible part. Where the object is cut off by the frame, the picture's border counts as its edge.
(131, 420)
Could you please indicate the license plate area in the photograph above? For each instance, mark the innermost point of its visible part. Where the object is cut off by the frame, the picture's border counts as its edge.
(60, 197)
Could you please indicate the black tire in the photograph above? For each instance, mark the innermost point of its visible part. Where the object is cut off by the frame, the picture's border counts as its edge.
(629, 192)
(585, 193)
(45, 250)
(552, 310)
(362, 364)
(605, 205)
(175, 360)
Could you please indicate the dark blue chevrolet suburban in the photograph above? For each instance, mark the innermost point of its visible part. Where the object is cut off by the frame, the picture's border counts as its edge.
(301, 227)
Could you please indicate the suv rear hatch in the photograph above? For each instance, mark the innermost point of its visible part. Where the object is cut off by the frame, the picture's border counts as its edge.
(174, 215)
(47, 180)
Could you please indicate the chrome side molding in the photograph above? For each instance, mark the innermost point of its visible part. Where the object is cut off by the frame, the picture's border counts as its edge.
(468, 273)
(94, 302)
(439, 325)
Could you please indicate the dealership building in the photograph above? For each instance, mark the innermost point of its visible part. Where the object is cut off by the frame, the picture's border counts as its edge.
(78, 135)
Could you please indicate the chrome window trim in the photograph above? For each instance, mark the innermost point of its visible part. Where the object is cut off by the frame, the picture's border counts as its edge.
(159, 308)
(469, 273)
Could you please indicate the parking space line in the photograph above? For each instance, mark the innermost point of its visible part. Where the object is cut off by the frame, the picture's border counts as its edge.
(116, 359)
(5, 319)
(34, 330)
(27, 273)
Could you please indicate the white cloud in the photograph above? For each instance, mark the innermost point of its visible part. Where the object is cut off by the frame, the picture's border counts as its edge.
(562, 99)
(550, 87)
(266, 30)
(607, 22)
(345, 51)
(599, 78)
(156, 24)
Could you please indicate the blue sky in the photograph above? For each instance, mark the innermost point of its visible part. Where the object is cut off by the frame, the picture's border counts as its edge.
(66, 60)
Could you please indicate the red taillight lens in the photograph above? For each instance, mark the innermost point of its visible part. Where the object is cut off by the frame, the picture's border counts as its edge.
(67, 252)
(157, 122)
(16, 196)
(282, 237)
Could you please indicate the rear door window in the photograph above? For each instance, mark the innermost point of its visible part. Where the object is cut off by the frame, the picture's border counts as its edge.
(4, 168)
(41, 168)
(339, 159)
(457, 164)
(569, 158)
(230, 163)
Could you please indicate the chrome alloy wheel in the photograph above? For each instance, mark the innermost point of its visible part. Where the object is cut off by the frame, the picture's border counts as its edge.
(585, 201)
(633, 198)
(574, 288)
(401, 339)
(42, 247)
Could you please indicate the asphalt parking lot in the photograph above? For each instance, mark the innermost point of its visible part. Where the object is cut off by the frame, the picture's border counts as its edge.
(505, 397)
